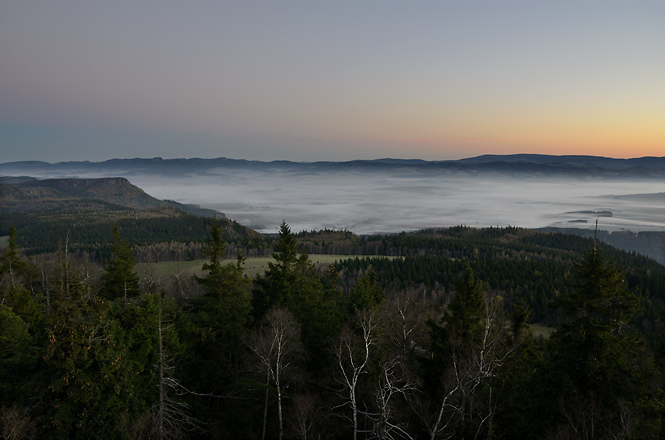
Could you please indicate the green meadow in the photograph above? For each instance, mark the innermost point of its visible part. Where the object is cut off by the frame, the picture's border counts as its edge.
(253, 266)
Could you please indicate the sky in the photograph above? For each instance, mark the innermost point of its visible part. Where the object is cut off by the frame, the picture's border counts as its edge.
(334, 80)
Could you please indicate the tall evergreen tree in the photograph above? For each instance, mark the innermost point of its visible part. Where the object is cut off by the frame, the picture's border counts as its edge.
(86, 380)
(16, 289)
(366, 293)
(218, 319)
(291, 281)
(119, 278)
(459, 329)
(221, 280)
(18, 358)
(286, 278)
(11, 262)
(599, 367)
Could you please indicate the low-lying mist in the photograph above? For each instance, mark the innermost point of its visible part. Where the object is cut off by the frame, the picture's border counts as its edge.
(367, 203)
(368, 200)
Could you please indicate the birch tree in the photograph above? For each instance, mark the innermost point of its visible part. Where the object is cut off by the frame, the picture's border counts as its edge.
(468, 348)
(352, 355)
(278, 349)
(394, 384)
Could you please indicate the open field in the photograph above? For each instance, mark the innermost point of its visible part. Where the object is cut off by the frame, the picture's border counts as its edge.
(253, 266)
(541, 330)
(4, 241)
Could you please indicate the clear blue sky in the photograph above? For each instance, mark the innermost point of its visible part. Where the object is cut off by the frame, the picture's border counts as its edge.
(330, 80)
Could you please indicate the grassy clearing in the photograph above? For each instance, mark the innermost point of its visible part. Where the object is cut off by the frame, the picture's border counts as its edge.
(4, 241)
(253, 266)
(542, 330)
(168, 269)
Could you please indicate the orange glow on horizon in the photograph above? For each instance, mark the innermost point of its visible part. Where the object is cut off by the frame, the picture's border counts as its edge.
(561, 145)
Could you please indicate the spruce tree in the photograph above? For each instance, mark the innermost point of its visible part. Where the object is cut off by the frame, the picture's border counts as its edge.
(11, 262)
(291, 281)
(219, 318)
(599, 366)
(284, 278)
(366, 294)
(119, 278)
(16, 289)
(86, 380)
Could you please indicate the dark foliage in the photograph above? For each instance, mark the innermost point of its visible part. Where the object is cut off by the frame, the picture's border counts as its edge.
(437, 339)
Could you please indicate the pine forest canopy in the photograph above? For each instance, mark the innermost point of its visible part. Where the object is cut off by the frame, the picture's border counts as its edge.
(432, 344)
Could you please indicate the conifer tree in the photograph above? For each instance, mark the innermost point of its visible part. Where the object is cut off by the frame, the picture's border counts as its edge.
(366, 293)
(459, 328)
(284, 277)
(16, 290)
(18, 358)
(11, 262)
(218, 319)
(292, 282)
(86, 378)
(119, 278)
(597, 359)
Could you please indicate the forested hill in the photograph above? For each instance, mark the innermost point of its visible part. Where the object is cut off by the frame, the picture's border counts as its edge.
(519, 264)
(30, 194)
(82, 212)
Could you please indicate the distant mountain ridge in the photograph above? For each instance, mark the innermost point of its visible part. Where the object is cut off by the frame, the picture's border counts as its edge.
(516, 164)
(580, 161)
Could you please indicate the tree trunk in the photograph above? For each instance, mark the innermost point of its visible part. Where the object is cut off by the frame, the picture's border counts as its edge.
(265, 407)
(161, 373)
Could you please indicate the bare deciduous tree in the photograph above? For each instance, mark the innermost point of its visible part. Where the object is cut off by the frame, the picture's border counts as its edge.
(352, 357)
(16, 425)
(277, 346)
(472, 366)
(306, 413)
(403, 319)
(393, 383)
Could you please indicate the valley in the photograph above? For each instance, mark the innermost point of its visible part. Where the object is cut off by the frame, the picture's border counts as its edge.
(125, 292)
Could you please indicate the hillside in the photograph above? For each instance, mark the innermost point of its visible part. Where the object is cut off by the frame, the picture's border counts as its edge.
(29, 194)
(518, 264)
(82, 211)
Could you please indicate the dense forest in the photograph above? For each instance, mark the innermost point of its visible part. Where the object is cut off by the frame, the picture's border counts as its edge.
(414, 336)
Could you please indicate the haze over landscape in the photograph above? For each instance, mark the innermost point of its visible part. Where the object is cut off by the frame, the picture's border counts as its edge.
(342, 81)
(387, 196)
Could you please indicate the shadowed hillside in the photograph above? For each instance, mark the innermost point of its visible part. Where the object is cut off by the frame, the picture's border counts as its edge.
(26, 194)
(82, 211)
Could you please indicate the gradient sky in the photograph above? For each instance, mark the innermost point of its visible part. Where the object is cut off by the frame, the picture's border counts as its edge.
(330, 80)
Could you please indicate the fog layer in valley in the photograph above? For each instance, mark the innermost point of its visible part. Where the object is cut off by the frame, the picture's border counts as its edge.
(370, 203)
